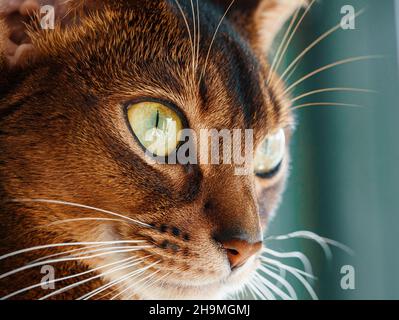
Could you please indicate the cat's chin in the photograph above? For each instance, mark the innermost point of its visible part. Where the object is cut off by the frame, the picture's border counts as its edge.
(182, 290)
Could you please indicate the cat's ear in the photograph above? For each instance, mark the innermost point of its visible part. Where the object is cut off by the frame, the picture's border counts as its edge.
(16, 16)
(260, 20)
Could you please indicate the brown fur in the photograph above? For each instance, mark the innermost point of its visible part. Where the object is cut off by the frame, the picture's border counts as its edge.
(63, 137)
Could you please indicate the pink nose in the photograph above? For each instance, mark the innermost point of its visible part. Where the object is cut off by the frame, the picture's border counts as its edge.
(239, 251)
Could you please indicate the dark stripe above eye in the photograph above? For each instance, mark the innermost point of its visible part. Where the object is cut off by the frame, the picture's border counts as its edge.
(242, 79)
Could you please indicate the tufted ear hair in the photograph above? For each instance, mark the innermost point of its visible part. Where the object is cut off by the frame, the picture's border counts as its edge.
(260, 20)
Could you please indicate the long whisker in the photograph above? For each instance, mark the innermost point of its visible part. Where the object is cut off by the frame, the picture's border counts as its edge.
(74, 285)
(84, 250)
(338, 89)
(276, 63)
(106, 286)
(250, 290)
(261, 291)
(214, 38)
(84, 219)
(292, 72)
(53, 261)
(66, 244)
(147, 284)
(151, 284)
(312, 45)
(77, 205)
(283, 41)
(330, 104)
(189, 34)
(298, 255)
(295, 272)
(119, 249)
(194, 35)
(322, 241)
(198, 33)
(131, 286)
(286, 267)
(281, 280)
(66, 278)
(278, 271)
(273, 287)
(143, 283)
(329, 66)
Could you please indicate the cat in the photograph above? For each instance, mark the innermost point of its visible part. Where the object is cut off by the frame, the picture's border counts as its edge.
(76, 186)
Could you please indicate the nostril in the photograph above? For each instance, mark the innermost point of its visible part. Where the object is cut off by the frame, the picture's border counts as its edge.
(239, 251)
(233, 252)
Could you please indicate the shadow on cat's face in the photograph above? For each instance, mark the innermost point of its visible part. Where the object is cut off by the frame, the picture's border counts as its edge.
(65, 137)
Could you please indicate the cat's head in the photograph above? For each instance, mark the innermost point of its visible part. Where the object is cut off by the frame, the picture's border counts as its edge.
(75, 108)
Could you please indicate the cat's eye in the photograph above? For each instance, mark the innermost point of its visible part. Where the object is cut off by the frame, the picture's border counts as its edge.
(270, 155)
(156, 126)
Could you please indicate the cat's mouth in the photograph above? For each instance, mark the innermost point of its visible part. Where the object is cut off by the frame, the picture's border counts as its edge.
(200, 287)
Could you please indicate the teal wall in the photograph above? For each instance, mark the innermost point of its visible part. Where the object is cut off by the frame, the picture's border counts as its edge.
(345, 169)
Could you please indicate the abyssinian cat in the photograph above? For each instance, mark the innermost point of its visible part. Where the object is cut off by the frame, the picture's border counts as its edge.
(79, 194)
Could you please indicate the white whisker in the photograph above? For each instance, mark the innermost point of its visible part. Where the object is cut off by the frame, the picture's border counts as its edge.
(277, 62)
(119, 249)
(281, 280)
(151, 282)
(295, 272)
(131, 286)
(77, 205)
(286, 267)
(326, 104)
(65, 278)
(74, 285)
(273, 287)
(84, 219)
(327, 67)
(110, 284)
(250, 290)
(214, 38)
(198, 33)
(323, 242)
(194, 35)
(312, 45)
(298, 255)
(262, 291)
(189, 34)
(338, 89)
(66, 244)
(53, 261)
(106, 247)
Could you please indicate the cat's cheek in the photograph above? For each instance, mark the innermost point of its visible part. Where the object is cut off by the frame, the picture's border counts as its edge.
(269, 194)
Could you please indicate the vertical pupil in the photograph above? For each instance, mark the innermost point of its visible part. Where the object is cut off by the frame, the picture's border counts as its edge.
(157, 120)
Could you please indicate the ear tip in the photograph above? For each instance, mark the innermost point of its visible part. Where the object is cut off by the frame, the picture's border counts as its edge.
(28, 7)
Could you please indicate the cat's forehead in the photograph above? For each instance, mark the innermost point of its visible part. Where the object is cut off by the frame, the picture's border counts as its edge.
(161, 49)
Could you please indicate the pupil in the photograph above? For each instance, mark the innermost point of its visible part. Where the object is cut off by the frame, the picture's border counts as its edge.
(157, 120)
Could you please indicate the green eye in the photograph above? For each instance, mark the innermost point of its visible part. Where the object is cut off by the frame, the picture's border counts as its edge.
(270, 155)
(156, 126)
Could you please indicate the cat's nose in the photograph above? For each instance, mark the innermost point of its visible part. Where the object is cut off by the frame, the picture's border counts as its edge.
(239, 250)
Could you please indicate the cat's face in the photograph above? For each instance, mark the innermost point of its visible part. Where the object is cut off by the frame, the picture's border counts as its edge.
(66, 135)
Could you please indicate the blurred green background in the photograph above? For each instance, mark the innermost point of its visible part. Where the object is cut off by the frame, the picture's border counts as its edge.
(345, 178)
